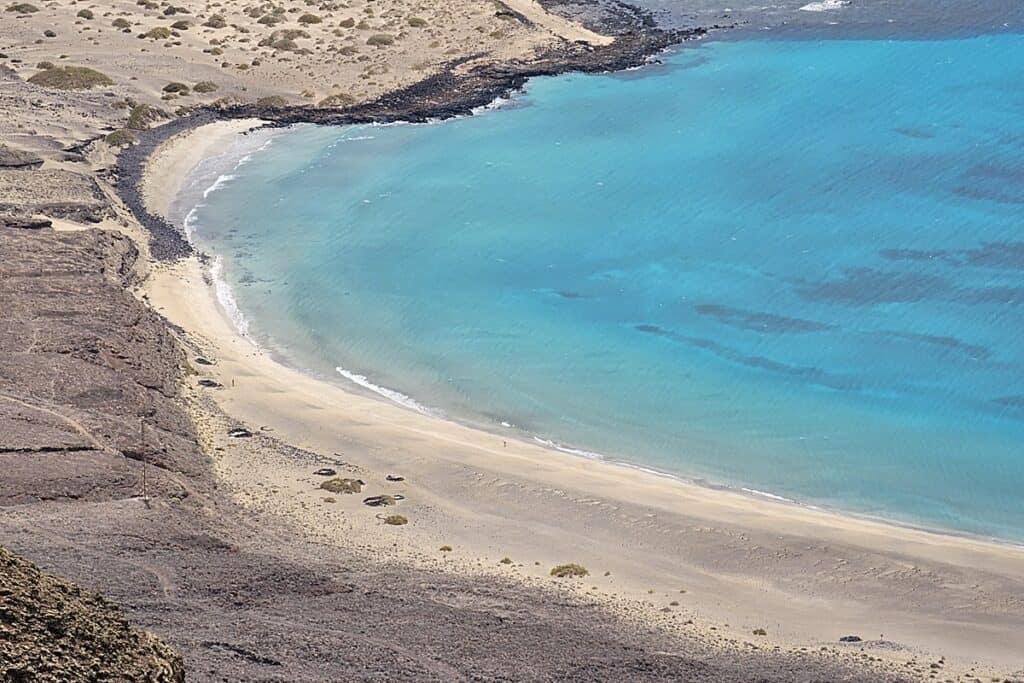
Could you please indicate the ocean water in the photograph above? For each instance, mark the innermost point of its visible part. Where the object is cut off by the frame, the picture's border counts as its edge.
(794, 267)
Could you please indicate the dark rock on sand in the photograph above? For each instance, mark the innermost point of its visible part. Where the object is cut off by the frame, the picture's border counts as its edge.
(394, 477)
(850, 639)
(325, 472)
(382, 501)
(52, 630)
(210, 383)
(239, 433)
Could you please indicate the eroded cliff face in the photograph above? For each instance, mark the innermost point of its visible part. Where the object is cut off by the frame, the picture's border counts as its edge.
(88, 375)
(52, 630)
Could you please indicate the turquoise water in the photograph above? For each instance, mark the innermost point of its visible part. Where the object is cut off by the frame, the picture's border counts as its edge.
(794, 267)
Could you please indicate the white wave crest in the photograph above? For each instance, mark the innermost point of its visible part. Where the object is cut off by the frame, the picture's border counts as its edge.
(825, 5)
(220, 182)
(390, 394)
(770, 496)
(566, 449)
(227, 299)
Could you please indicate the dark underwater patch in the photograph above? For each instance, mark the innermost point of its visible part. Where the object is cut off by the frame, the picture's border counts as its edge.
(768, 323)
(990, 182)
(915, 133)
(808, 374)
(868, 287)
(973, 351)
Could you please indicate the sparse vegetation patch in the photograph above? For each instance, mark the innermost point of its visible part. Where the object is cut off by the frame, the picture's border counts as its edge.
(70, 78)
(569, 571)
(342, 485)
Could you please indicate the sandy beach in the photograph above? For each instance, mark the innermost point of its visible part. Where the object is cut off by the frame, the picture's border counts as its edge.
(716, 562)
(122, 476)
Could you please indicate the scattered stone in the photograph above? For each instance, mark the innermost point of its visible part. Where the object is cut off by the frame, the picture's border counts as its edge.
(325, 472)
(213, 384)
(396, 520)
(203, 361)
(394, 477)
(239, 433)
(850, 639)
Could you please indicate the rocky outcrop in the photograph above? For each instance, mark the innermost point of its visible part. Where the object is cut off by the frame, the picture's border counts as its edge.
(54, 192)
(51, 630)
(18, 159)
(88, 375)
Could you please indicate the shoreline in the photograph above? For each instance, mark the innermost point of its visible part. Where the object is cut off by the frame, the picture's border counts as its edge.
(326, 417)
(351, 382)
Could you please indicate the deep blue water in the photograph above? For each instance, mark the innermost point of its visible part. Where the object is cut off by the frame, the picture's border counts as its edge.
(796, 267)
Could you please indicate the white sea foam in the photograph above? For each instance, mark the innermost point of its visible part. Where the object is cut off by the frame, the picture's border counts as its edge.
(390, 394)
(227, 298)
(566, 449)
(220, 182)
(770, 496)
(825, 5)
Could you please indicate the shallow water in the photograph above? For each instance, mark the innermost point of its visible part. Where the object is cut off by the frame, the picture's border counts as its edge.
(788, 266)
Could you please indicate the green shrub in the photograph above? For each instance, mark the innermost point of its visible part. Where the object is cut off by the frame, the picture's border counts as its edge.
(396, 520)
(23, 8)
(417, 22)
(121, 22)
(120, 138)
(347, 23)
(45, 65)
(445, 549)
(506, 560)
(216, 21)
(182, 25)
(142, 115)
(205, 87)
(158, 33)
(338, 100)
(177, 88)
(760, 632)
(380, 40)
(569, 571)
(70, 78)
(85, 14)
(270, 19)
(342, 485)
(272, 101)
(309, 19)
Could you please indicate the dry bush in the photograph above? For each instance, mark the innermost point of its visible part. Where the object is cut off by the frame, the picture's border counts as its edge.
(70, 78)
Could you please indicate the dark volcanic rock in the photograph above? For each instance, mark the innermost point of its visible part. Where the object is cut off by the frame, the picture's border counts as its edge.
(51, 630)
